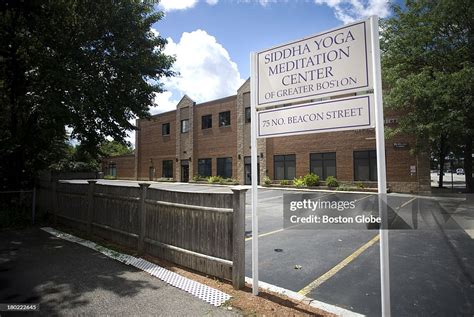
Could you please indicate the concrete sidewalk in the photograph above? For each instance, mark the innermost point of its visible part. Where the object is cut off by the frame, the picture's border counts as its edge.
(68, 279)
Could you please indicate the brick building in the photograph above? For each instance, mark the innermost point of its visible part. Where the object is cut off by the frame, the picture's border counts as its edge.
(213, 138)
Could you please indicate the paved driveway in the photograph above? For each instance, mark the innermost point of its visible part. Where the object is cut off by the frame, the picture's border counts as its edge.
(69, 279)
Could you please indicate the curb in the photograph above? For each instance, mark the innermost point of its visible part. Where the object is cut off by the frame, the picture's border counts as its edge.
(306, 300)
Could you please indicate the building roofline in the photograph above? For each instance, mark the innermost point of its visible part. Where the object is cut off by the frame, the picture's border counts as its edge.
(223, 99)
(206, 103)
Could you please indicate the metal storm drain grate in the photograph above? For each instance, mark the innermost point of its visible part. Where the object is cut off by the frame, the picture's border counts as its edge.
(201, 291)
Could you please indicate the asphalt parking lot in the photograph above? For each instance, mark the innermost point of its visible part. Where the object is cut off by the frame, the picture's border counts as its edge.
(431, 267)
(431, 253)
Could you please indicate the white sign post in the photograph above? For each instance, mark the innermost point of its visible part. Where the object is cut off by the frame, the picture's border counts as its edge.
(336, 63)
(381, 169)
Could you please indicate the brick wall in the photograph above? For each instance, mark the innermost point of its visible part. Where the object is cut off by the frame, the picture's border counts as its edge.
(152, 147)
(234, 141)
(124, 166)
(216, 142)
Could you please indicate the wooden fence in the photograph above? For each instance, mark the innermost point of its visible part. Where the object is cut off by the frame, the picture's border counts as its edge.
(201, 231)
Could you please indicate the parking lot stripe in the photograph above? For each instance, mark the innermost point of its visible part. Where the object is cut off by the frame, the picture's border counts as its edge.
(323, 278)
(265, 234)
(357, 200)
(406, 203)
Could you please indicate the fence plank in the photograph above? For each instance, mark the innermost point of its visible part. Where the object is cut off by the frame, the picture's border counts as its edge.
(201, 231)
(238, 239)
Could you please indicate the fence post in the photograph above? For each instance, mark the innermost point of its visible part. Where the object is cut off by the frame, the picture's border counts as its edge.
(238, 238)
(55, 206)
(142, 216)
(90, 205)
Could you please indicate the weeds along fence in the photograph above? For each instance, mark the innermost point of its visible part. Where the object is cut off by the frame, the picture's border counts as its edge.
(17, 208)
(201, 231)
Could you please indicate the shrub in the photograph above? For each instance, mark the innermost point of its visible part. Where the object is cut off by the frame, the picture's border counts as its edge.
(331, 181)
(284, 182)
(343, 187)
(299, 182)
(311, 179)
(109, 177)
(196, 177)
(214, 179)
(360, 185)
(229, 181)
(267, 181)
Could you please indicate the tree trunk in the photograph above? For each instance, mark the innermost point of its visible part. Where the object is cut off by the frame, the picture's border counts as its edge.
(468, 165)
(442, 155)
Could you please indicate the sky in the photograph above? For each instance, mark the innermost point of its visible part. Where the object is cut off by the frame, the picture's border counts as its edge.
(212, 39)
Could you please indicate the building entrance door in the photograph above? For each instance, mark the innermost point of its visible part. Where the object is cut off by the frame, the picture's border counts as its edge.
(184, 171)
(151, 173)
(248, 171)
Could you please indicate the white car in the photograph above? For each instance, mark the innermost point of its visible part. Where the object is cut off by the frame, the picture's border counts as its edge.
(460, 171)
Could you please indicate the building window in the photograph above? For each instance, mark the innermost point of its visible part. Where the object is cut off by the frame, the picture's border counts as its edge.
(206, 122)
(205, 167)
(113, 169)
(284, 166)
(323, 164)
(365, 165)
(224, 167)
(167, 170)
(184, 125)
(224, 119)
(248, 116)
(165, 129)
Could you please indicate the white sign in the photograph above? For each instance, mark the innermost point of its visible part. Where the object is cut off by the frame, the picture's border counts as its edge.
(329, 116)
(332, 63)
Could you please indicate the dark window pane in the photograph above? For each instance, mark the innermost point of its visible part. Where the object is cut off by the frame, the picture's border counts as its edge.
(206, 122)
(224, 167)
(167, 170)
(284, 166)
(329, 168)
(165, 129)
(113, 169)
(205, 167)
(365, 166)
(323, 164)
(248, 115)
(290, 170)
(279, 170)
(224, 119)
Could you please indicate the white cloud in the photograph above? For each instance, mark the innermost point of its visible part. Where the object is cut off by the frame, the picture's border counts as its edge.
(352, 10)
(212, 2)
(206, 71)
(164, 102)
(170, 5)
(155, 32)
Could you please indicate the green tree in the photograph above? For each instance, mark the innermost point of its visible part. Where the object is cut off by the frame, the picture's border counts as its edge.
(427, 65)
(91, 66)
(114, 148)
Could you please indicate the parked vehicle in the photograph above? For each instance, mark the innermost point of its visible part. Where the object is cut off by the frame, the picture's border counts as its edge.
(460, 171)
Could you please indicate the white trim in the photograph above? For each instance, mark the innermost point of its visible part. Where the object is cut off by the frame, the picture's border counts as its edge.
(305, 300)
